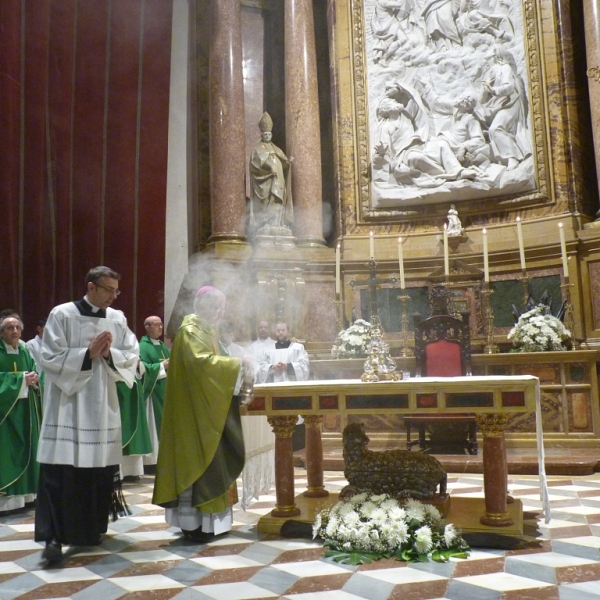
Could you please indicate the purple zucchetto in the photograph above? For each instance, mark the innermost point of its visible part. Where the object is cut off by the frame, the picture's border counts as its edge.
(206, 288)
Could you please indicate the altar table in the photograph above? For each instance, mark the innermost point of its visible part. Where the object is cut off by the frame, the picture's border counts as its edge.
(491, 399)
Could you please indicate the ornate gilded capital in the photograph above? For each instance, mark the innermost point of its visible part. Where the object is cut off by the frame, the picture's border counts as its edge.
(313, 421)
(283, 427)
(492, 424)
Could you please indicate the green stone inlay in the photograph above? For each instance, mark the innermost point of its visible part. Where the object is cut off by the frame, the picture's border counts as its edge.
(577, 372)
(395, 401)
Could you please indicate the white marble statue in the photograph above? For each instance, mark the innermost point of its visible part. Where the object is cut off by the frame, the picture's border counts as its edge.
(454, 225)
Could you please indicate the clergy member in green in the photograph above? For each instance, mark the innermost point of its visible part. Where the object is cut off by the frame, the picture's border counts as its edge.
(154, 354)
(201, 450)
(20, 418)
(134, 426)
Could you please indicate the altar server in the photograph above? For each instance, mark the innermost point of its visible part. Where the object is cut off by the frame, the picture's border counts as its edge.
(263, 341)
(287, 361)
(87, 347)
(20, 417)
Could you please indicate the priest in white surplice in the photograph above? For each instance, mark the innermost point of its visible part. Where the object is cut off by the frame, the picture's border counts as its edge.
(262, 342)
(87, 347)
(287, 361)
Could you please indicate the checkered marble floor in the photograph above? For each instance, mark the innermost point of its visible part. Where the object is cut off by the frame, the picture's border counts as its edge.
(141, 557)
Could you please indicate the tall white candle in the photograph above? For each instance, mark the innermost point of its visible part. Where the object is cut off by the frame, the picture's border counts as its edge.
(521, 247)
(446, 258)
(337, 269)
(401, 263)
(486, 263)
(371, 246)
(563, 250)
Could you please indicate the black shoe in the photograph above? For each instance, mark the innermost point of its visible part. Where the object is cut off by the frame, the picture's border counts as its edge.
(53, 551)
(131, 479)
(197, 535)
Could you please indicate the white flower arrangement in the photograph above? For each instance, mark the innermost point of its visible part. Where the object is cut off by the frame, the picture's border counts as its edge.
(352, 342)
(367, 527)
(539, 331)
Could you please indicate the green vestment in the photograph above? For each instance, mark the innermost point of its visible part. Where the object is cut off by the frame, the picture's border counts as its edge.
(134, 422)
(201, 441)
(20, 420)
(152, 356)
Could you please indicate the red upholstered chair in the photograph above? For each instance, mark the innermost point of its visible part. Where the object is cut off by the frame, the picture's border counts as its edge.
(442, 345)
(442, 349)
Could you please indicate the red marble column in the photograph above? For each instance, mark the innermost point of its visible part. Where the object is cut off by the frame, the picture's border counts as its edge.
(227, 130)
(283, 428)
(592, 50)
(495, 470)
(314, 457)
(303, 131)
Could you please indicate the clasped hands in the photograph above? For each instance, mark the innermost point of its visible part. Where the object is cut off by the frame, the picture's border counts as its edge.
(31, 378)
(279, 367)
(100, 345)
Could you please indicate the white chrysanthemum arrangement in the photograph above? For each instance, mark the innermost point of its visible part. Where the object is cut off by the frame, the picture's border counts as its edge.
(352, 342)
(368, 527)
(539, 331)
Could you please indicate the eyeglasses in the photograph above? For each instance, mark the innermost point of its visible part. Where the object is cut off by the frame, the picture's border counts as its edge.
(108, 289)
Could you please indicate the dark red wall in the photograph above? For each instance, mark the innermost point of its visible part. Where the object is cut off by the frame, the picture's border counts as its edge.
(84, 100)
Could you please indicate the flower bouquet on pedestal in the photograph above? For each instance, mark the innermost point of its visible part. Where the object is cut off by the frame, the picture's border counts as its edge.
(352, 342)
(538, 330)
(368, 527)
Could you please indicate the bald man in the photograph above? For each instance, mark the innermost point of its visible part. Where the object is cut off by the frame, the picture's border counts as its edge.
(154, 354)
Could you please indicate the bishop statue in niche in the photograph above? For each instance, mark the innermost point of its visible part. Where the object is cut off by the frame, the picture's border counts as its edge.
(448, 101)
(272, 211)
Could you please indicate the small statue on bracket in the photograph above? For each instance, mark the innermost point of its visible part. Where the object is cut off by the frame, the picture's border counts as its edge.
(455, 227)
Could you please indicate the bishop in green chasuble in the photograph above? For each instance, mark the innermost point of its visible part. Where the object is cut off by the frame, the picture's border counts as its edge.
(201, 450)
(20, 418)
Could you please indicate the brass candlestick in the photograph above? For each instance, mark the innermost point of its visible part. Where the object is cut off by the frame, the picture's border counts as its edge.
(488, 319)
(405, 349)
(339, 311)
(525, 282)
(379, 366)
(569, 317)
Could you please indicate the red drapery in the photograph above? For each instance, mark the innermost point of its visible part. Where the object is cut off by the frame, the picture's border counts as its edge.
(84, 91)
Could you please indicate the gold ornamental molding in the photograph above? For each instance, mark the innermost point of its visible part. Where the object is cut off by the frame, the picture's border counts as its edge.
(594, 73)
(359, 220)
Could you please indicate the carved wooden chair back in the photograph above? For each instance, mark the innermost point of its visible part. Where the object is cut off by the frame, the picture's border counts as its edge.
(442, 345)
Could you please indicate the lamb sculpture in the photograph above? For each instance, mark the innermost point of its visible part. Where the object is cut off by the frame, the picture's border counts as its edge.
(399, 473)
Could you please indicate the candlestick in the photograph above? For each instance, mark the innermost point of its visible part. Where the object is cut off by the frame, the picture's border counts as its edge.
(371, 246)
(521, 247)
(401, 263)
(486, 264)
(337, 269)
(446, 259)
(563, 250)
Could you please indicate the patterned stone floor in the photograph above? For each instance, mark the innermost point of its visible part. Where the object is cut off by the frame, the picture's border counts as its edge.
(142, 558)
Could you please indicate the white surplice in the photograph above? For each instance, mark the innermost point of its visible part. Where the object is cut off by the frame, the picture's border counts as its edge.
(82, 423)
(294, 354)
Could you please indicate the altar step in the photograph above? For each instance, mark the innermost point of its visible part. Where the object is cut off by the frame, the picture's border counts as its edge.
(558, 462)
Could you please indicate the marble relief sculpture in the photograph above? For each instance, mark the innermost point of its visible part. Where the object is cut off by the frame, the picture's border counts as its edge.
(448, 101)
(271, 206)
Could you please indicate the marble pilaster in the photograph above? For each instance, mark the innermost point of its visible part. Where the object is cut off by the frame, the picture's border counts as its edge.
(592, 46)
(314, 457)
(227, 123)
(283, 428)
(303, 131)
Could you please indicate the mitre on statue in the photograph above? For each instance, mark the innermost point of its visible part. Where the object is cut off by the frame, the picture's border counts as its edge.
(265, 123)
